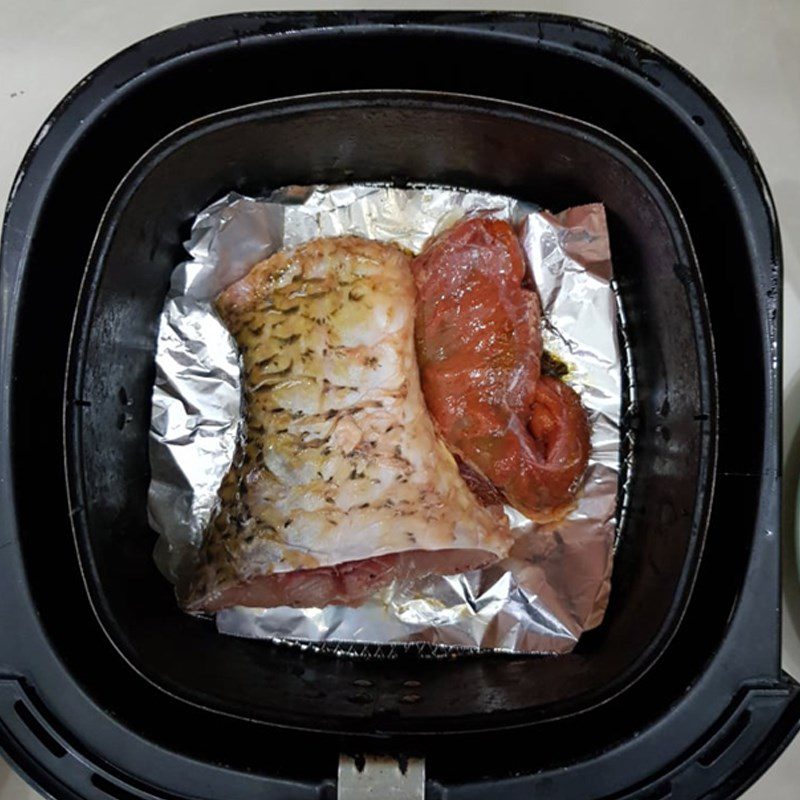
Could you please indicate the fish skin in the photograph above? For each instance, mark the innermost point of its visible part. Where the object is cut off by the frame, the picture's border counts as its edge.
(339, 461)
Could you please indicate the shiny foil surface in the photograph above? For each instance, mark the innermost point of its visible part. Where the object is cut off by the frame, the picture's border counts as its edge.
(556, 581)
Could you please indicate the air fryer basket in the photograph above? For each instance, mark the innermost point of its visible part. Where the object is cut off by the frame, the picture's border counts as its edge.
(405, 137)
(708, 716)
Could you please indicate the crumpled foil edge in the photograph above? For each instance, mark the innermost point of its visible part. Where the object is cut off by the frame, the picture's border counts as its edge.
(555, 585)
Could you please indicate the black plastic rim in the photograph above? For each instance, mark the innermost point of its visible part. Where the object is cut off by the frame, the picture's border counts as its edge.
(665, 750)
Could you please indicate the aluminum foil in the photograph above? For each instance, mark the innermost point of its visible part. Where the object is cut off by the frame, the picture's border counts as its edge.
(556, 581)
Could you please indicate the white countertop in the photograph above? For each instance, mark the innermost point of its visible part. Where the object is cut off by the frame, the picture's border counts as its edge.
(747, 52)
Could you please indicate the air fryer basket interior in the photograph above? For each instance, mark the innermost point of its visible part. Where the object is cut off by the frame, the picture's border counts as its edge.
(400, 137)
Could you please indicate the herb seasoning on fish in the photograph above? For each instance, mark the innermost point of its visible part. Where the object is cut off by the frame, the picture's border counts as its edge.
(337, 436)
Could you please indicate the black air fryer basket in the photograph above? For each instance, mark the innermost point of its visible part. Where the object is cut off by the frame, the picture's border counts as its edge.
(108, 690)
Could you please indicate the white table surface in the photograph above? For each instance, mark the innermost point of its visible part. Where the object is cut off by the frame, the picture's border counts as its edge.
(746, 51)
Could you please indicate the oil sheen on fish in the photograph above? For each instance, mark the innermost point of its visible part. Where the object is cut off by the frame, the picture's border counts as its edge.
(340, 483)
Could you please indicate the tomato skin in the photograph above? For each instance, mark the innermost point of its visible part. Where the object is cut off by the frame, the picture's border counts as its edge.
(479, 348)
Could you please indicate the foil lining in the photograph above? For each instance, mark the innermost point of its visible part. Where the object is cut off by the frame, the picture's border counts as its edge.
(556, 581)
